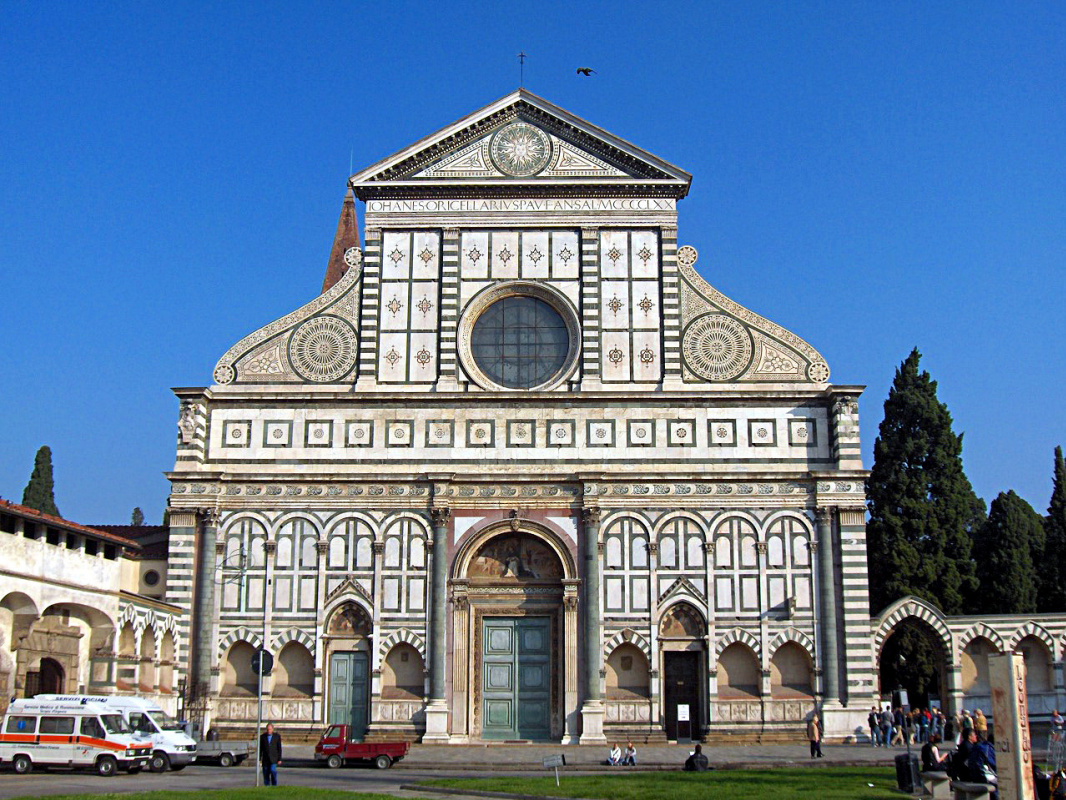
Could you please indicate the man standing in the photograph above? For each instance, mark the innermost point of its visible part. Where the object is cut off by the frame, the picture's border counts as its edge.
(270, 755)
(814, 736)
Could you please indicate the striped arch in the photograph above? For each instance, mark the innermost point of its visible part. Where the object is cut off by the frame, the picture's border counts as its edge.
(790, 514)
(738, 635)
(289, 516)
(910, 606)
(293, 635)
(403, 636)
(224, 527)
(341, 517)
(666, 519)
(792, 635)
(240, 634)
(717, 522)
(1037, 632)
(982, 630)
(418, 520)
(628, 513)
(627, 636)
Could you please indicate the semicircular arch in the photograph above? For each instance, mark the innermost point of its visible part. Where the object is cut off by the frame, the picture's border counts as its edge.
(738, 635)
(1035, 630)
(903, 608)
(666, 519)
(794, 636)
(461, 565)
(403, 636)
(982, 631)
(628, 636)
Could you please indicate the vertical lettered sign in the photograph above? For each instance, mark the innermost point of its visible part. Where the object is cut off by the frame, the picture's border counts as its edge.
(1010, 714)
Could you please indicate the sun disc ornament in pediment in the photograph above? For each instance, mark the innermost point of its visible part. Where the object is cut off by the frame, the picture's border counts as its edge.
(520, 150)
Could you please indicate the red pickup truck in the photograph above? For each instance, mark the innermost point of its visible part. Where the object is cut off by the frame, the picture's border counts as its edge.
(336, 749)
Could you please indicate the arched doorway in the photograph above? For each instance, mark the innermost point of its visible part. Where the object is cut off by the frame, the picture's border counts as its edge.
(681, 638)
(347, 642)
(513, 626)
(913, 657)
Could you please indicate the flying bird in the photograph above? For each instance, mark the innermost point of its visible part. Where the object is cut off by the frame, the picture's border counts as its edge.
(586, 71)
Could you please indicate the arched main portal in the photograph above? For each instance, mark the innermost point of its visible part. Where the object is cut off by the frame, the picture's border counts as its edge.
(913, 657)
(514, 621)
(347, 643)
(684, 663)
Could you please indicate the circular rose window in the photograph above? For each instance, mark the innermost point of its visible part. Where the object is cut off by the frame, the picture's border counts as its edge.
(519, 336)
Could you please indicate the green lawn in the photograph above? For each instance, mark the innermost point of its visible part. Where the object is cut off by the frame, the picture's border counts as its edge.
(250, 793)
(804, 783)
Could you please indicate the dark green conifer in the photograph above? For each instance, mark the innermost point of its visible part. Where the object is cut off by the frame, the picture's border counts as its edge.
(923, 510)
(1053, 567)
(40, 491)
(1010, 545)
(137, 517)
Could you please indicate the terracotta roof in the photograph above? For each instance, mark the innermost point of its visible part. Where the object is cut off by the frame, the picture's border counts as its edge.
(58, 522)
(141, 533)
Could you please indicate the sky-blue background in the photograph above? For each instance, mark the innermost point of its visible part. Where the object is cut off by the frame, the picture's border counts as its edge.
(873, 176)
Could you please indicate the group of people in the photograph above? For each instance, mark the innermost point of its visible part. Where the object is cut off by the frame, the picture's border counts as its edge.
(615, 758)
(973, 761)
(896, 727)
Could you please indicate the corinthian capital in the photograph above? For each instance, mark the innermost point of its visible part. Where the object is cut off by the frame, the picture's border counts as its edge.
(591, 515)
(441, 515)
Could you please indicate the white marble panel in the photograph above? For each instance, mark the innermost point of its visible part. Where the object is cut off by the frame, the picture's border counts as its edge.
(425, 258)
(640, 594)
(504, 255)
(392, 356)
(424, 306)
(255, 593)
(474, 252)
(462, 525)
(777, 591)
(394, 305)
(391, 593)
(723, 551)
(647, 356)
(645, 259)
(801, 555)
(395, 256)
(567, 525)
(614, 254)
(535, 255)
(615, 594)
(614, 305)
(308, 595)
(615, 356)
(694, 559)
(230, 596)
(283, 594)
(423, 357)
(392, 551)
(566, 255)
(416, 594)
(749, 593)
(803, 591)
(646, 307)
(723, 594)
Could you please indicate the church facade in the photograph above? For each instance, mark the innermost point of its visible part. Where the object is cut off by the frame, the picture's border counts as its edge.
(520, 473)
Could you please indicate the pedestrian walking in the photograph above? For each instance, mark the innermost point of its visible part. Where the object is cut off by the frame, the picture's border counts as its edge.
(875, 727)
(270, 755)
(814, 736)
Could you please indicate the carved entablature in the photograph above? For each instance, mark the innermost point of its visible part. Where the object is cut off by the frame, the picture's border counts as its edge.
(723, 342)
(317, 344)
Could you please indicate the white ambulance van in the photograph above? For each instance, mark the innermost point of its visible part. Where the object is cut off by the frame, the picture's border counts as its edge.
(69, 733)
(171, 746)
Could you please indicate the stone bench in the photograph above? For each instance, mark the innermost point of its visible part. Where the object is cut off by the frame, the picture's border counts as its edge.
(971, 791)
(936, 785)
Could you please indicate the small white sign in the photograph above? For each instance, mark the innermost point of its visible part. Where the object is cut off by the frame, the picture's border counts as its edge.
(682, 713)
(554, 761)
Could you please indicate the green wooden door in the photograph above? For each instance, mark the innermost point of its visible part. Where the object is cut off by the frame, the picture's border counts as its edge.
(348, 692)
(516, 682)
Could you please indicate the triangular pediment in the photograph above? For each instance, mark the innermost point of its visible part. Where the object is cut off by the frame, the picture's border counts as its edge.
(521, 140)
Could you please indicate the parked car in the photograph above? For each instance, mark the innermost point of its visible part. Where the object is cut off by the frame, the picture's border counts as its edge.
(225, 754)
(336, 748)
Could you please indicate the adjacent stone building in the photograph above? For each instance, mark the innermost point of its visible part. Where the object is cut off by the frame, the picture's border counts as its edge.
(519, 472)
(81, 612)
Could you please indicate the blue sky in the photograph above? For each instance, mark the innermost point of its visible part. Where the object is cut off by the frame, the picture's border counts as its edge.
(873, 176)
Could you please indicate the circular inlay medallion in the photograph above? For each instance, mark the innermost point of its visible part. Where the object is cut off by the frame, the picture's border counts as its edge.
(353, 256)
(520, 150)
(717, 347)
(323, 349)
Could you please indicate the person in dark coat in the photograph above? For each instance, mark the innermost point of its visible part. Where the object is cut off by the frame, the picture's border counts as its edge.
(697, 762)
(270, 755)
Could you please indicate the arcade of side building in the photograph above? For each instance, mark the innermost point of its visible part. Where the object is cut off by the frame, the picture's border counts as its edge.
(519, 473)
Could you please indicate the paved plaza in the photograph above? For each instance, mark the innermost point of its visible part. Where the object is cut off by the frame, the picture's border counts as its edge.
(427, 762)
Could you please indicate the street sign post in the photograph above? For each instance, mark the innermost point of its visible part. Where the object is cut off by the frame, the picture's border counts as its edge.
(264, 657)
(554, 762)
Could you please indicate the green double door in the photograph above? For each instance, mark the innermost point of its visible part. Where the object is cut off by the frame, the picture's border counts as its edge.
(516, 678)
(348, 673)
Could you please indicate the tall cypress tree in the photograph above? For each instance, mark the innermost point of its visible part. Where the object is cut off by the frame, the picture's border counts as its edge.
(137, 517)
(1053, 567)
(923, 510)
(40, 491)
(1010, 545)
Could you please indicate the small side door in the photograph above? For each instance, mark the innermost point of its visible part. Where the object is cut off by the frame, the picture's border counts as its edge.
(56, 736)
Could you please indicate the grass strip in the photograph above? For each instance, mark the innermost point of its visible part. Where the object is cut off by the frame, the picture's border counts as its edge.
(803, 783)
(244, 793)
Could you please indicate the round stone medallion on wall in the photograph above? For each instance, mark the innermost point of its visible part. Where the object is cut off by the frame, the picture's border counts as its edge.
(717, 347)
(323, 349)
(520, 150)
